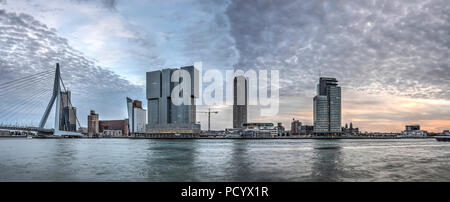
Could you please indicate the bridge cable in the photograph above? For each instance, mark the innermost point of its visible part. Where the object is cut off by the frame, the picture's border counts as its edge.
(14, 107)
(21, 81)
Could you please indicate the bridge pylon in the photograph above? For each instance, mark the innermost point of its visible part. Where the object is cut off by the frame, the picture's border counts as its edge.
(56, 97)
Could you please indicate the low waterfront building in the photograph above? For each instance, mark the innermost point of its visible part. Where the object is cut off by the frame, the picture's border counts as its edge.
(412, 127)
(113, 125)
(112, 133)
(258, 130)
(306, 130)
(4, 133)
(413, 131)
(280, 129)
(297, 128)
(350, 131)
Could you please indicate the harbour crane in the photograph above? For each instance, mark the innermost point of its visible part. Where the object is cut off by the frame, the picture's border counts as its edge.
(209, 117)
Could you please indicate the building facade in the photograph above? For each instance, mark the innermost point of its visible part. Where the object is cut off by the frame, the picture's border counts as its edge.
(295, 127)
(258, 130)
(112, 133)
(113, 125)
(163, 115)
(412, 127)
(240, 101)
(349, 131)
(93, 124)
(67, 114)
(327, 107)
(137, 116)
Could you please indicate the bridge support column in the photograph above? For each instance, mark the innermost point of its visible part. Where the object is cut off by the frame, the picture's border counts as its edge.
(55, 97)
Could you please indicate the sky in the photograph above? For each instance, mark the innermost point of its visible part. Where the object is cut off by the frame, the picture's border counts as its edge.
(391, 58)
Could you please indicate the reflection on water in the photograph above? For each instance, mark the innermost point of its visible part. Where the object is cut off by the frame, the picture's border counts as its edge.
(223, 160)
(327, 161)
(239, 163)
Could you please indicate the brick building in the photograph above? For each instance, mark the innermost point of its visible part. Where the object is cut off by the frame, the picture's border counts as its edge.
(114, 125)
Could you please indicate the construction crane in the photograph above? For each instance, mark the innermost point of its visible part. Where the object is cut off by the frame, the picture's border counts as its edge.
(209, 117)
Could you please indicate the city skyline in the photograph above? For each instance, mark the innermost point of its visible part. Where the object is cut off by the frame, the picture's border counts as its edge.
(389, 78)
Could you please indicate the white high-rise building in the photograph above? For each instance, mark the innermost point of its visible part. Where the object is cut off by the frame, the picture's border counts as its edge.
(137, 116)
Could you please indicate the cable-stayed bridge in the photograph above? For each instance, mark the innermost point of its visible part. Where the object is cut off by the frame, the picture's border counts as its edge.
(22, 102)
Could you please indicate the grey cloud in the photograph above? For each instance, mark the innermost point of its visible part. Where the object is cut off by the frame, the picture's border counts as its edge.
(28, 47)
(108, 4)
(397, 46)
(111, 4)
(208, 39)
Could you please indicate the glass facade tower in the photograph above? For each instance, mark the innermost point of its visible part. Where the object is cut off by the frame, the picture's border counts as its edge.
(327, 107)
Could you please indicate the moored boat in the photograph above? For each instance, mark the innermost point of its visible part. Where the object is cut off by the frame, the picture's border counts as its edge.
(445, 138)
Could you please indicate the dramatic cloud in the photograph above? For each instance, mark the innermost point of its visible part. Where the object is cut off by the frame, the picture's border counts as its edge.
(102, 34)
(373, 46)
(387, 55)
(385, 50)
(29, 47)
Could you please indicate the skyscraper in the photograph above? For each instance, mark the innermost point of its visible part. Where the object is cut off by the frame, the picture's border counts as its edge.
(137, 116)
(163, 115)
(67, 114)
(327, 107)
(240, 102)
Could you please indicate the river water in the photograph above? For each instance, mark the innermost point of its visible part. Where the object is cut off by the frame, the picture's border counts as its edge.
(223, 160)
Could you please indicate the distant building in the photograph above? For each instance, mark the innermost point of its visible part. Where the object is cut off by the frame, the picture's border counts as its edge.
(240, 101)
(113, 125)
(280, 129)
(112, 133)
(93, 124)
(137, 117)
(414, 131)
(258, 130)
(350, 130)
(306, 130)
(4, 133)
(164, 117)
(68, 119)
(295, 127)
(446, 132)
(412, 127)
(327, 107)
(298, 129)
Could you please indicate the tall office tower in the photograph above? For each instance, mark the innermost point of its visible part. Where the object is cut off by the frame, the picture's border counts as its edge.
(240, 102)
(67, 114)
(163, 115)
(327, 107)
